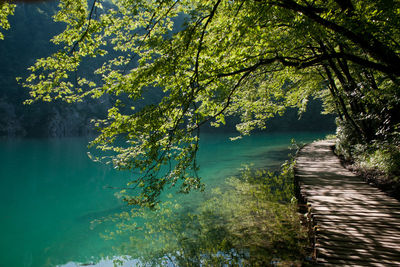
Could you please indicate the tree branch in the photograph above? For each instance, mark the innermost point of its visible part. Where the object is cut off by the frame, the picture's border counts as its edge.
(365, 40)
(228, 100)
(314, 61)
(87, 28)
(210, 17)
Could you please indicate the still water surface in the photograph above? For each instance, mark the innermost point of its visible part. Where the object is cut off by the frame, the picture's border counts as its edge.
(50, 191)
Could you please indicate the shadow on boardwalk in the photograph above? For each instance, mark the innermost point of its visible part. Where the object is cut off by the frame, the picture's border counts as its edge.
(356, 224)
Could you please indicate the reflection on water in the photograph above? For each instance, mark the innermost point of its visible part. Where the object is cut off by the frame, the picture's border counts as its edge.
(108, 262)
(253, 222)
(50, 192)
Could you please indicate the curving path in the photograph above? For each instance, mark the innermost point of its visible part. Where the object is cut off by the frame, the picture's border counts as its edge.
(356, 224)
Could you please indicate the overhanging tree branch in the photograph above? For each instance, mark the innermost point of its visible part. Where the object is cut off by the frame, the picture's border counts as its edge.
(365, 40)
(314, 61)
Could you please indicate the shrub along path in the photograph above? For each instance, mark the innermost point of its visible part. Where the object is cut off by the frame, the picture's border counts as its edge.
(356, 224)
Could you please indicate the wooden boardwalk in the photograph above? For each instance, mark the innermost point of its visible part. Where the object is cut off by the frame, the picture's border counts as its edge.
(356, 224)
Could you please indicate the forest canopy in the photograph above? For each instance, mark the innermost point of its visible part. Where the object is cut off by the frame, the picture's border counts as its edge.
(210, 60)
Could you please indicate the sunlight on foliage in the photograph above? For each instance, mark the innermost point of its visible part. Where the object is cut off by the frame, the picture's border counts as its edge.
(6, 9)
(385, 159)
(170, 67)
(378, 156)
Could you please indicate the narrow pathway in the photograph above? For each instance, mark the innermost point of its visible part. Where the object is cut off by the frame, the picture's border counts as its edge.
(357, 225)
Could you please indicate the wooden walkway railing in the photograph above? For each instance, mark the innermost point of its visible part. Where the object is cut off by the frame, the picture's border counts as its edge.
(356, 224)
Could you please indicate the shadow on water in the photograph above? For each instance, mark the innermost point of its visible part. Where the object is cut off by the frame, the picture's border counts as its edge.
(96, 215)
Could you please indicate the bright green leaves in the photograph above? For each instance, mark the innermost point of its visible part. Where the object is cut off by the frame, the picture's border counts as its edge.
(51, 79)
(206, 67)
(6, 9)
(172, 66)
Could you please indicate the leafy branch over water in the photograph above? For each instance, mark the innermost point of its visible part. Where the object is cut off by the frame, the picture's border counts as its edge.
(252, 222)
(206, 61)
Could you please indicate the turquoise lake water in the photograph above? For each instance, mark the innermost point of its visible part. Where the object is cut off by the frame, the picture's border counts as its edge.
(50, 191)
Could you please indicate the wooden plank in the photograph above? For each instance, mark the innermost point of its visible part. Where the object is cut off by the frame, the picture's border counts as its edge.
(357, 203)
(346, 244)
(358, 254)
(373, 241)
(362, 230)
(358, 213)
(359, 225)
(368, 238)
(358, 232)
(357, 200)
(345, 192)
(361, 258)
(366, 219)
(315, 180)
(325, 221)
(332, 261)
(354, 208)
(351, 264)
(348, 263)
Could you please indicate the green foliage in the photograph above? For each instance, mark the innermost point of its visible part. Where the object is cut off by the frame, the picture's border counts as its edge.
(252, 223)
(386, 160)
(217, 58)
(378, 157)
(346, 139)
(6, 9)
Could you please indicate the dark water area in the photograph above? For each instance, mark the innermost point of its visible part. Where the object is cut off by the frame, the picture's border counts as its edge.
(50, 192)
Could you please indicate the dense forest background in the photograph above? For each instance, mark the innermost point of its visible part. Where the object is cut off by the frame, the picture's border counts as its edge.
(32, 27)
